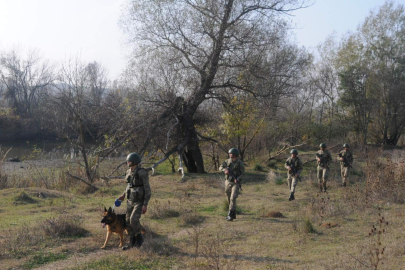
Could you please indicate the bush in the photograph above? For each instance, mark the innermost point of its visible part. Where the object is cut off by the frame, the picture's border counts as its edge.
(64, 226)
(308, 227)
(156, 244)
(258, 167)
(272, 176)
(163, 210)
(24, 198)
(190, 217)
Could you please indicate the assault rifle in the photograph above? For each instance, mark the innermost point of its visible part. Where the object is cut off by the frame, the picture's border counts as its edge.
(232, 176)
(323, 163)
(345, 161)
(294, 171)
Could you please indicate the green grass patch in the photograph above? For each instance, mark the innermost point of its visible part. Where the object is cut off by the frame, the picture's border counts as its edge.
(209, 209)
(121, 262)
(43, 258)
(279, 181)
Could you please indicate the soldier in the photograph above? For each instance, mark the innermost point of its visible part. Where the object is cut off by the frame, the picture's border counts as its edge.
(294, 166)
(323, 158)
(138, 195)
(234, 169)
(346, 159)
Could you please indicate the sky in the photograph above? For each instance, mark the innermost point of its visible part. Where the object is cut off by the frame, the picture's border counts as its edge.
(88, 29)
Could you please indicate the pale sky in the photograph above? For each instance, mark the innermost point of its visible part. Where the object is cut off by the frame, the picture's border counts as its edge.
(61, 29)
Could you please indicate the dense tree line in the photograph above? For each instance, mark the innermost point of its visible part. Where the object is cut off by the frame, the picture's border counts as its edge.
(209, 75)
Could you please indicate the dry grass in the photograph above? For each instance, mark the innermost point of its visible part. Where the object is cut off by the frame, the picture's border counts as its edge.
(318, 231)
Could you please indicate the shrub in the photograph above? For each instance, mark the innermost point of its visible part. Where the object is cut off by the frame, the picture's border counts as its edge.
(258, 167)
(64, 226)
(24, 198)
(156, 244)
(273, 176)
(163, 210)
(190, 217)
(308, 227)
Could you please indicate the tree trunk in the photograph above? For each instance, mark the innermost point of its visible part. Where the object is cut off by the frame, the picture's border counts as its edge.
(194, 159)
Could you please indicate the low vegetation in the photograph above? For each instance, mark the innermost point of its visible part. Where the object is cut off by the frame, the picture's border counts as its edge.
(357, 227)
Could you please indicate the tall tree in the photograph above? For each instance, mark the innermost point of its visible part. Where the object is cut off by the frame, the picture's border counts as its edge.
(372, 71)
(75, 107)
(25, 79)
(211, 43)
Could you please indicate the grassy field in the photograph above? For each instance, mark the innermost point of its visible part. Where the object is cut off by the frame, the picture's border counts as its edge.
(186, 227)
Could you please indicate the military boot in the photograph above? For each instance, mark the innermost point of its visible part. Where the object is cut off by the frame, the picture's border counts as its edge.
(320, 187)
(234, 214)
(139, 240)
(229, 217)
(291, 196)
(324, 188)
(132, 242)
(344, 184)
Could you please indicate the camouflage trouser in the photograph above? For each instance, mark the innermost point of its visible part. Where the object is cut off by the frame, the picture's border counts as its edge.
(292, 182)
(232, 192)
(345, 173)
(133, 215)
(322, 174)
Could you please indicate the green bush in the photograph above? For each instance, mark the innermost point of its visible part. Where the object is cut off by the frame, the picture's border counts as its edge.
(308, 226)
(258, 167)
(279, 181)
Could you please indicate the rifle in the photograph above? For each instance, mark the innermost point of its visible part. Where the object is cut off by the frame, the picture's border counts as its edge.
(233, 176)
(345, 161)
(294, 170)
(323, 163)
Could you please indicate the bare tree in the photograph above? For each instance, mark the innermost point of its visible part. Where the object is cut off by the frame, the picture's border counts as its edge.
(25, 79)
(75, 107)
(211, 45)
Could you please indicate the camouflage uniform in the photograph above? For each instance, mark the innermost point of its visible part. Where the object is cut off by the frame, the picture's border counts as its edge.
(232, 188)
(322, 169)
(344, 170)
(297, 164)
(138, 194)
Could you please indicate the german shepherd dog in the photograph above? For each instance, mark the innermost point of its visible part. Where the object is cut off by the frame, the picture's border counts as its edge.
(115, 224)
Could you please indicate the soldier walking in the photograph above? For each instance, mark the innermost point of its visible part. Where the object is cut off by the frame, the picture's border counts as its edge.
(234, 169)
(346, 159)
(294, 166)
(138, 195)
(323, 158)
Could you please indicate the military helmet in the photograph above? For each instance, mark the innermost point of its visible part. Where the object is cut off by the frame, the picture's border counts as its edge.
(234, 151)
(346, 145)
(294, 151)
(134, 158)
(322, 145)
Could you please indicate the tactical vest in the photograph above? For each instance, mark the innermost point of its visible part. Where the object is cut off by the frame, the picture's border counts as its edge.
(234, 166)
(134, 179)
(135, 191)
(296, 164)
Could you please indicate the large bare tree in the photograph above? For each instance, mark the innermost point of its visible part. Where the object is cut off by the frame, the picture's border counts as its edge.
(213, 46)
(25, 79)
